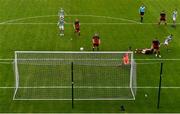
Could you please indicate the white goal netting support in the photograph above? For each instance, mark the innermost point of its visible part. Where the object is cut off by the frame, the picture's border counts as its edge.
(60, 75)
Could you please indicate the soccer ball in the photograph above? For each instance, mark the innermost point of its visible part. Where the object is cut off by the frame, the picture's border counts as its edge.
(146, 95)
(81, 48)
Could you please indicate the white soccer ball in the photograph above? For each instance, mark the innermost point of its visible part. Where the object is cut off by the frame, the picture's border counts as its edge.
(146, 95)
(81, 48)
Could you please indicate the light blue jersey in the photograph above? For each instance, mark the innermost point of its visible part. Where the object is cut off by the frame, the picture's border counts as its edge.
(142, 9)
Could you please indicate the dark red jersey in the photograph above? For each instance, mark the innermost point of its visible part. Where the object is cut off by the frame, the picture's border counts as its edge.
(156, 44)
(77, 25)
(96, 40)
(163, 15)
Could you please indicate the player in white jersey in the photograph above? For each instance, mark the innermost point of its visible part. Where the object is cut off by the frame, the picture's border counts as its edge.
(61, 26)
(174, 16)
(167, 40)
(61, 13)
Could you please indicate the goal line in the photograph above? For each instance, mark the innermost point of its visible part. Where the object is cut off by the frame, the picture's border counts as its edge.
(98, 87)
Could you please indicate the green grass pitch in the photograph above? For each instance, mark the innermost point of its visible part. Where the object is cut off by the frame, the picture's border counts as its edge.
(117, 22)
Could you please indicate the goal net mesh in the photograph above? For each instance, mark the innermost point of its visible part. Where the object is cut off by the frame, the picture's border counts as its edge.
(42, 75)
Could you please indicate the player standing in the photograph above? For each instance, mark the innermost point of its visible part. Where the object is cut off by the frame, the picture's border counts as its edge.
(77, 27)
(61, 13)
(174, 16)
(96, 41)
(167, 40)
(162, 17)
(141, 12)
(156, 47)
(125, 59)
(61, 26)
(61, 22)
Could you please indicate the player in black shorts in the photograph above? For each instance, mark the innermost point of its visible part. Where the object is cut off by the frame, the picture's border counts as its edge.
(141, 12)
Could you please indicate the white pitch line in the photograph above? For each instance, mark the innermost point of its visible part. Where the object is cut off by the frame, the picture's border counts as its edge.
(108, 17)
(26, 18)
(131, 22)
(157, 59)
(6, 62)
(147, 63)
(83, 23)
(91, 59)
(75, 15)
(91, 87)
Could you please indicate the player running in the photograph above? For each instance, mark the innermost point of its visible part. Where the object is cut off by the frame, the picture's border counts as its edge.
(96, 41)
(167, 40)
(162, 17)
(61, 26)
(174, 16)
(156, 47)
(141, 12)
(77, 27)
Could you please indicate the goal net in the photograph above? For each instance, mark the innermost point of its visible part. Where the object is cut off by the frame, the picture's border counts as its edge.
(59, 75)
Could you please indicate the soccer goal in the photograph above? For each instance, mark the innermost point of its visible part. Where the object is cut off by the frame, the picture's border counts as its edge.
(60, 75)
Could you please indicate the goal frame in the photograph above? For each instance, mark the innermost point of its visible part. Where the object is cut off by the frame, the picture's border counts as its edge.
(71, 52)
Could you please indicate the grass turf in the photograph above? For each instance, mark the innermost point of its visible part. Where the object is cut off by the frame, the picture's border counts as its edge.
(115, 37)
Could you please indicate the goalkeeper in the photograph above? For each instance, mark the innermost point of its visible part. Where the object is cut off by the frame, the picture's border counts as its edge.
(125, 59)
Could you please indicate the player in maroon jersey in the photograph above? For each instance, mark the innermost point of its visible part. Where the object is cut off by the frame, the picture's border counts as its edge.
(96, 41)
(77, 26)
(162, 17)
(156, 47)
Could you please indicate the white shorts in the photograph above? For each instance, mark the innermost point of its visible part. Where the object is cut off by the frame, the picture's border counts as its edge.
(61, 27)
(61, 16)
(174, 18)
(166, 43)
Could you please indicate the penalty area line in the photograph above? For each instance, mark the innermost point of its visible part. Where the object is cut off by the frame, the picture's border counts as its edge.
(83, 23)
(75, 15)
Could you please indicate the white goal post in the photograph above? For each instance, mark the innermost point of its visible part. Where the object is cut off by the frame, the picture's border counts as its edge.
(63, 75)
